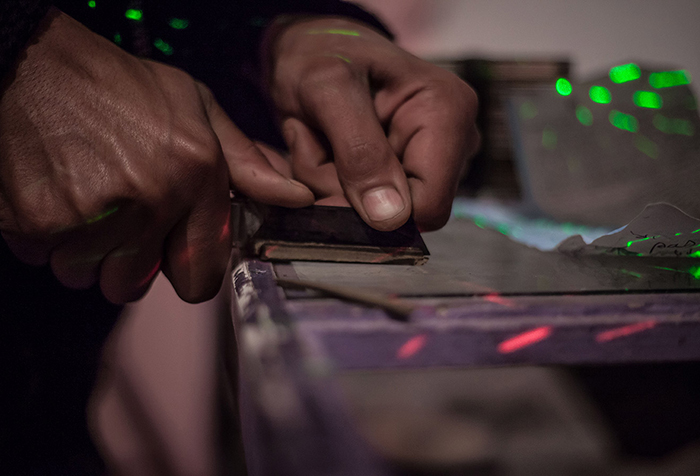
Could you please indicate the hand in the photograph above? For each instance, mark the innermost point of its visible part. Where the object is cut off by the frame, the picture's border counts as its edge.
(400, 129)
(112, 168)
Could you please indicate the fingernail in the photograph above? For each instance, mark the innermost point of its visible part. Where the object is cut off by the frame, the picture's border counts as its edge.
(383, 203)
(298, 184)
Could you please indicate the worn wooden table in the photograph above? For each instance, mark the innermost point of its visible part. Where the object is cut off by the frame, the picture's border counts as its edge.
(486, 375)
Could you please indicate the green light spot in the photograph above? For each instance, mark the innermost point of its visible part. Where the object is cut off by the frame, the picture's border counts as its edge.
(118, 38)
(629, 243)
(480, 221)
(178, 23)
(92, 4)
(682, 127)
(647, 99)
(549, 138)
(163, 46)
(695, 231)
(623, 121)
(694, 254)
(584, 115)
(694, 271)
(662, 123)
(600, 94)
(101, 215)
(133, 14)
(528, 110)
(673, 126)
(667, 269)
(646, 146)
(564, 86)
(624, 73)
(678, 234)
(334, 31)
(669, 79)
(504, 229)
(631, 273)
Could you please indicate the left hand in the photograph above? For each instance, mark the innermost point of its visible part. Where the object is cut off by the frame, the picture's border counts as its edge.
(400, 130)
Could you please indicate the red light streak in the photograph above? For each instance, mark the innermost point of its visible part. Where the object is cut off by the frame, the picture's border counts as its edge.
(150, 275)
(498, 299)
(225, 232)
(525, 339)
(624, 331)
(411, 346)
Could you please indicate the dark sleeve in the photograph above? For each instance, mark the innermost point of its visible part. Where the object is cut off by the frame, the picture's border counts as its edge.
(18, 19)
(217, 42)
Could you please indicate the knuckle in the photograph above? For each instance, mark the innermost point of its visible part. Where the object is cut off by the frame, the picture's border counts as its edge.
(326, 75)
(197, 152)
(363, 159)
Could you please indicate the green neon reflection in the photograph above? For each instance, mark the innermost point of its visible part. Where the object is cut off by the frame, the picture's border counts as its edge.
(133, 14)
(163, 46)
(646, 146)
(92, 4)
(549, 138)
(101, 216)
(118, 38)
(667, 79)
(625, 72)
(631, 273)
(626, 122)
(695, 254)
(694, 271)
(647, 99)
(178, 23)
(584, 115)
(527, 110)
(630, 243)
(340, 57)
(600, 94)
(564, 86)
(480, 221)
(673, 126)
(334, 31)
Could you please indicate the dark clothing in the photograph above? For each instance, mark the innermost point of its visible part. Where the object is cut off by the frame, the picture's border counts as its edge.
(51, 337)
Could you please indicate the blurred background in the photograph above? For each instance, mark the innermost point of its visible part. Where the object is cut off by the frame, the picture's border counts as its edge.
(594, 35)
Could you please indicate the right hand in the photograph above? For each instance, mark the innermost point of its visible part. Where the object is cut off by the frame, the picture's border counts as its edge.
(112, 168)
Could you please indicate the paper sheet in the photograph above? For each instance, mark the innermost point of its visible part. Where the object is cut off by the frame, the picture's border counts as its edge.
(660, 230)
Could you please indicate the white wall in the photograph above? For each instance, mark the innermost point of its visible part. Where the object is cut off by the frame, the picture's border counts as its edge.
(595, 34)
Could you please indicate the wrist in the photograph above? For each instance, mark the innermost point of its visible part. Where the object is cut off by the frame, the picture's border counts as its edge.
(19, 21)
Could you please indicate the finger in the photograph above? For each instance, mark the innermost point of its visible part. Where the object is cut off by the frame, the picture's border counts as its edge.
(249, 170)
(435, 139)
(34, 252)
(309, 160)
(276, 160)
(334, 201)
(372, 177)
(76, 261)
(198, 247)
(128, 271)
